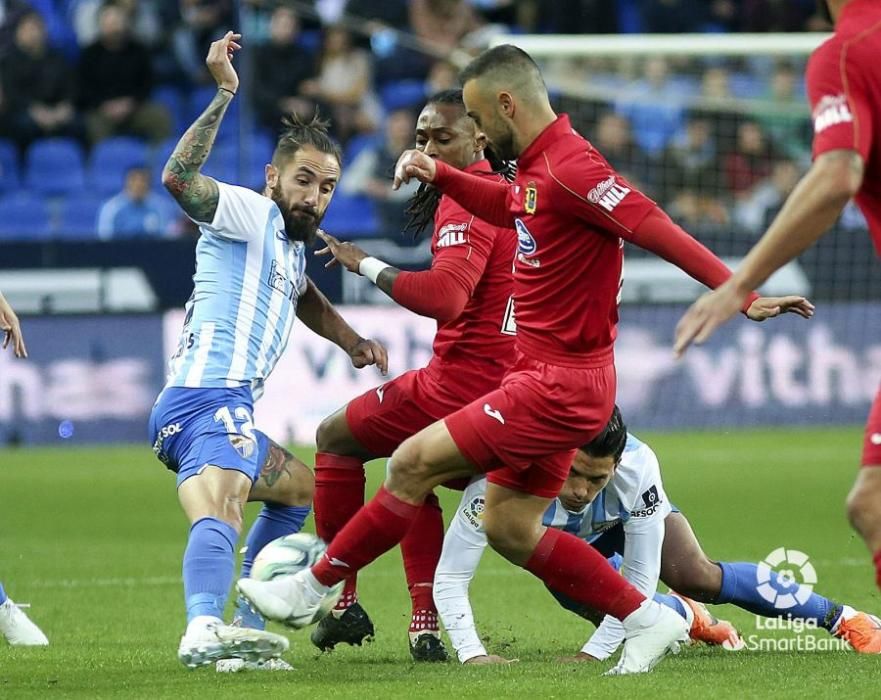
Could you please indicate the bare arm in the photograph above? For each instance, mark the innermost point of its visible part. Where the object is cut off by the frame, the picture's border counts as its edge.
(196, 193)
(314, 309)
(811, 209)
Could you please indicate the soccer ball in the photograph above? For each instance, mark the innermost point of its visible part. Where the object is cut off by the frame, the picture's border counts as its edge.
(290, 554)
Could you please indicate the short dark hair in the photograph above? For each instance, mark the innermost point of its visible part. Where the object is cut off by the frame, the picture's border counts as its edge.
(611, 441)
(297, 132)
(505, 59)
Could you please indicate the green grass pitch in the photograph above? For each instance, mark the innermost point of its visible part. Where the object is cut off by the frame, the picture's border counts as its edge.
(92, 537)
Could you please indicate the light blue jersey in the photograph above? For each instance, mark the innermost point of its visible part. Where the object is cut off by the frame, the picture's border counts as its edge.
(634, 492)
(248, 278)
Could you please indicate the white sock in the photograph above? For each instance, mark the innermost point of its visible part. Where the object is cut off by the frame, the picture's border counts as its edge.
(645, 615)
(314, 586)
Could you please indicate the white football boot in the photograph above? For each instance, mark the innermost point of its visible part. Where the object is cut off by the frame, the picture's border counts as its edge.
(18, 628)
(239, 665)
(292, 600)
(207, 640)
(651, 632)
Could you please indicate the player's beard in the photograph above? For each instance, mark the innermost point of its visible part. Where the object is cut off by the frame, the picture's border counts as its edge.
(503, 145)
(300, 223)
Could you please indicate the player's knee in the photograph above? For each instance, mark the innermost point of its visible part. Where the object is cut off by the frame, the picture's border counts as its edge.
(327, 435)
(409, 469)
(231, 510)
(861, 505)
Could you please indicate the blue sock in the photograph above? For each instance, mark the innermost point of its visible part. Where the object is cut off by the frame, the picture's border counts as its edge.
(273, 522)
(209, 561)
(740, 588)
(671, 601)
(2, 595)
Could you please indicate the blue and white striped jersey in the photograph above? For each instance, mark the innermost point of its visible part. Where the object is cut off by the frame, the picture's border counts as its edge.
(634, 493)
(248, 278)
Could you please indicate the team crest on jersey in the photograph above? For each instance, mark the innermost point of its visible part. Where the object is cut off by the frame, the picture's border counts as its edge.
(279, 281)
(473, 511)
(530, 201)
(831, 110)
(242, 444)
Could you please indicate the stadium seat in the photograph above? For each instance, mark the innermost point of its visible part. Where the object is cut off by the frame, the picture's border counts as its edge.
(25, 217)
(111, 159)
(223, 163)
(9, 177)
(170, 97)
(79, 217)
(357, 144)
(55, 166)
(351, 215)
(402, 94)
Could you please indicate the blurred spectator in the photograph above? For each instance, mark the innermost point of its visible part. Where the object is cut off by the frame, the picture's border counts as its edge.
(203, 22)
(281, 66)
(700, 214)
(785, 114)
(345, 83)
(389, 13)
(715, 85)
(690, 161)
(776, 15)
(38, 85)
(441, 24)
(673, 16)
(115, 80)
(576, 17)
(750, 161)
(136, 212)
(758, 210)
(442, 76)
(10, 12)
(654, 106)
(371, 172)
(143, 20)
(614, 139)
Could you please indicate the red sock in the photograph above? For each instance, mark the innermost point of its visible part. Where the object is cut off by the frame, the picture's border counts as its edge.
(570, 566)
(374, 530)
(877, 560)
(421, 549)
(339, 494)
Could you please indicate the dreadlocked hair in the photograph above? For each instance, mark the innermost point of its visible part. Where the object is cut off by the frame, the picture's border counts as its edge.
(297, 132)
(423, 204)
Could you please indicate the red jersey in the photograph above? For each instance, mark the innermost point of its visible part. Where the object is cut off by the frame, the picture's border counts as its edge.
(844, 89)
(474, 349)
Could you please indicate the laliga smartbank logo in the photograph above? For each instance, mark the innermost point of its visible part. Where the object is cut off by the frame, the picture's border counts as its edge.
(786, 578)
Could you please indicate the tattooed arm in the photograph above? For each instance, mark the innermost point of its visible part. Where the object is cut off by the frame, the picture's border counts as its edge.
(196, 193)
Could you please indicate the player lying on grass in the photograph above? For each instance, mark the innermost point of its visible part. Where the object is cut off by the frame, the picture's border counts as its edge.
(250, 284)
(614, 499)
(572, 212)
(468, 290)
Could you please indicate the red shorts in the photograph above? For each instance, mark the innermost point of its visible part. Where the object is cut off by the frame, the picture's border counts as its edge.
(382, 418)
(525, 432)
(872, 440)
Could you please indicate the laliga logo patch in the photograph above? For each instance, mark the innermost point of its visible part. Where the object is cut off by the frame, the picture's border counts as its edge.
(525, 242)
(531, 199)
(473, 512)
(243, 445)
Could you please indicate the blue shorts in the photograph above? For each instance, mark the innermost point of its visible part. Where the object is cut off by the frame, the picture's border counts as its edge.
(193, 428)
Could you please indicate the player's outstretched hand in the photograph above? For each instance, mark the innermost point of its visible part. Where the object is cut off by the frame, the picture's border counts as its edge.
(488, 660)
(11, 329)
(347, 254)
(369, 352)
(768, 307)
(219, 61)
(706, 314)
(416, 164)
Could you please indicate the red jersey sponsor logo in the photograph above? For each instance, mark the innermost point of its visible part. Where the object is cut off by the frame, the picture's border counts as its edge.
(608, 194)
(831, 110)
(452, 234)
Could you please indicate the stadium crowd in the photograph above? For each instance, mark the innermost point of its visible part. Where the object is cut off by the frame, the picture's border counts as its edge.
(94, 94)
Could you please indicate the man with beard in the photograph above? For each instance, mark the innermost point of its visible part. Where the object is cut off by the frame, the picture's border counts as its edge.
(250, 282)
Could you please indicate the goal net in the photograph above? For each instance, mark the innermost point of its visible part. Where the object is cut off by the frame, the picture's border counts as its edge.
(717, 129)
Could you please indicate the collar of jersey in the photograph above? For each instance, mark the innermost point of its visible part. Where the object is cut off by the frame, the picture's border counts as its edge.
(480, 166)
(553, 131)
